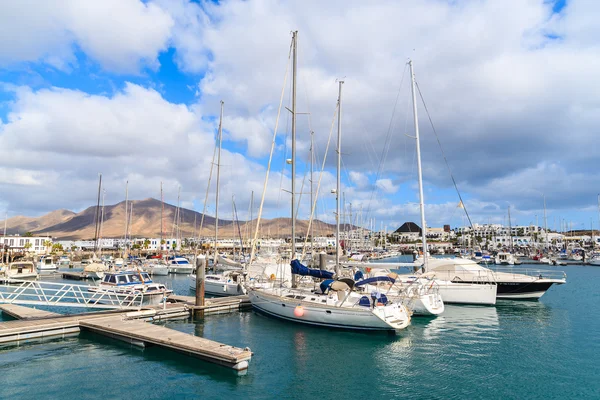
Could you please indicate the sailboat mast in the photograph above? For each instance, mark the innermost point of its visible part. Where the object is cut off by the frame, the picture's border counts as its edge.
(510, 231)
(218, 177)
(312, 159)
(102, 214)
(294, 70)
(162, 212)
(338, 187)
(97, 215)
(419, 169)
(545, 223)
(126, 211)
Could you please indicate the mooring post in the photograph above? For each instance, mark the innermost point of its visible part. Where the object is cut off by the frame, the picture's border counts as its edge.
(322, 260)
(201, 265)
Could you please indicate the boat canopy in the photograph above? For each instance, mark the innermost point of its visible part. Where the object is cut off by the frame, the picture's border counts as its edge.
(299, 269)
(375, 279)
(332, 284)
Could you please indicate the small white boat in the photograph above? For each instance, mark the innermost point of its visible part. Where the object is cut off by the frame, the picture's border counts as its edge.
(227, 284)
(156, 268)
(20, 271)
(180, 265)
(504, 258)
(46, 264)
(132, 287)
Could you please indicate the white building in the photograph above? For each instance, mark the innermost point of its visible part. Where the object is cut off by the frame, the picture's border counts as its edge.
(32, 244)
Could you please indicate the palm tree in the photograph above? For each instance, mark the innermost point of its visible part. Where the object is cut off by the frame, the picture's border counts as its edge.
(47, 245)
(146, 244)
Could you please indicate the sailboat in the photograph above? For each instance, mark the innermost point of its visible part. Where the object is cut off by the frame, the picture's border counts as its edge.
(333, 302)
(452, 291)
(228, 283)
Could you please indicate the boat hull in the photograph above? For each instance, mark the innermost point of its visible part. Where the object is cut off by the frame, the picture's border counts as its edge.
(181, 270)
(332, 317)
(124, 297)
(468, 293)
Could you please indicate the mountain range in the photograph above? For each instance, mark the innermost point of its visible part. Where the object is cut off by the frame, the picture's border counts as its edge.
(146, 222)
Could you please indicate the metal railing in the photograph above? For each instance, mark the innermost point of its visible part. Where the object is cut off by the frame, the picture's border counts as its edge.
(531, 272)
(67, 295)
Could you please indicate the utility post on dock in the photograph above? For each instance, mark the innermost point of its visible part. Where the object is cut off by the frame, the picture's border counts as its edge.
(201, 265)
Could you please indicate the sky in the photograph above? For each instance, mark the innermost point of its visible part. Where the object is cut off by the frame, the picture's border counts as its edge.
(132, 89)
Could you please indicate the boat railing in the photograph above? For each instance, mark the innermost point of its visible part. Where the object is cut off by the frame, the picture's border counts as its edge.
(532, 272)
(67, 295)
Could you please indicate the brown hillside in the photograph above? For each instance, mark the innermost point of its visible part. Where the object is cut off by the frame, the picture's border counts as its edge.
(146, 222)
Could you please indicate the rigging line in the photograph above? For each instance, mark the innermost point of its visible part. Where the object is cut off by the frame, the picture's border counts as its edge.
(387, 141)
(444, 155)
(312, 213)
(212, 164)
(262, 200)
(306, 171)
(238, 227)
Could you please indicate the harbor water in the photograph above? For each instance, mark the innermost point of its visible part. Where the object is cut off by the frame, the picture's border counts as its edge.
(515, 350)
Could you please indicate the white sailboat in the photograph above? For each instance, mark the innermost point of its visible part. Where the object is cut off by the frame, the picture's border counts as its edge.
(334, 303)
(451, 292)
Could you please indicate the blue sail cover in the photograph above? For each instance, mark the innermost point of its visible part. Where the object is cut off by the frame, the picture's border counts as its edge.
(375, 279)
(303, 270)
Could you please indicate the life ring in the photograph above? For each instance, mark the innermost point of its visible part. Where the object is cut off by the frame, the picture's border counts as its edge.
(368, 269)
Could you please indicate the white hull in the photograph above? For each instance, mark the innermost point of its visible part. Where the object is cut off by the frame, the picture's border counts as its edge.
(467, 293)
(594, 261)
(159, 271)
(219, 288)
(427, 305)
(181, 270)
(149, 299)
(360, 318)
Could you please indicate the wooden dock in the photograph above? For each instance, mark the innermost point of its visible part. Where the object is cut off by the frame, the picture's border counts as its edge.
(143, 334)
(125, 325)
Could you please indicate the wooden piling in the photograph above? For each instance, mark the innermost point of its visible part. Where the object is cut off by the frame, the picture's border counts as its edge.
(201, 264)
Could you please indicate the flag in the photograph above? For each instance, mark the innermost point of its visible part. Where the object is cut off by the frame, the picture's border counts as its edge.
(460, 205)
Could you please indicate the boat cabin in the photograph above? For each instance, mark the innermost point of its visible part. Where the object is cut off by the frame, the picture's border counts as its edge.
(126, 278)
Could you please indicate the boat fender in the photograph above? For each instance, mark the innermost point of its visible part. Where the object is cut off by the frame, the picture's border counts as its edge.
(272, 277)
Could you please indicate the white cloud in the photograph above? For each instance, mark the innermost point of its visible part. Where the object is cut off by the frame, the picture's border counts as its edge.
(122, 35)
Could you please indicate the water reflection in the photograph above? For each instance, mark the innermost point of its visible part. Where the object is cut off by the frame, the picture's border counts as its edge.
(465, 321)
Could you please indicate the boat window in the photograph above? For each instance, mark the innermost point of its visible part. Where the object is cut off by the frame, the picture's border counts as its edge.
(106, 278)
(122, 279)
(134, 278)
(112, 279)
(300, 297)
(291, 296)
(145, 276)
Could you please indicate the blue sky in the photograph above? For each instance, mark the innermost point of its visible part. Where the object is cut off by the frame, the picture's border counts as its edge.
(131, 89)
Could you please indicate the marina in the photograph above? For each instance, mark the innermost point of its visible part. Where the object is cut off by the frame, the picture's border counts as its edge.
(266, 200)
(513, 339)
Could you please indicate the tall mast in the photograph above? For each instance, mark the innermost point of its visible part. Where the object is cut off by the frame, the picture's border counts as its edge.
(218, 177)
(162, 212)
(251, 216)
(312, 159)
(97, 215)
(338, 185)
(102, 215)
(510, 231)
(545, 223)
(420, 172)
(126, 211)
(294, 71)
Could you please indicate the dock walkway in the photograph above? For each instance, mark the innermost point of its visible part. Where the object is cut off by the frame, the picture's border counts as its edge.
(125, 325)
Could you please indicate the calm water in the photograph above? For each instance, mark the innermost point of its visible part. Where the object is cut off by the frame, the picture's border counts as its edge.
(547, 349)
